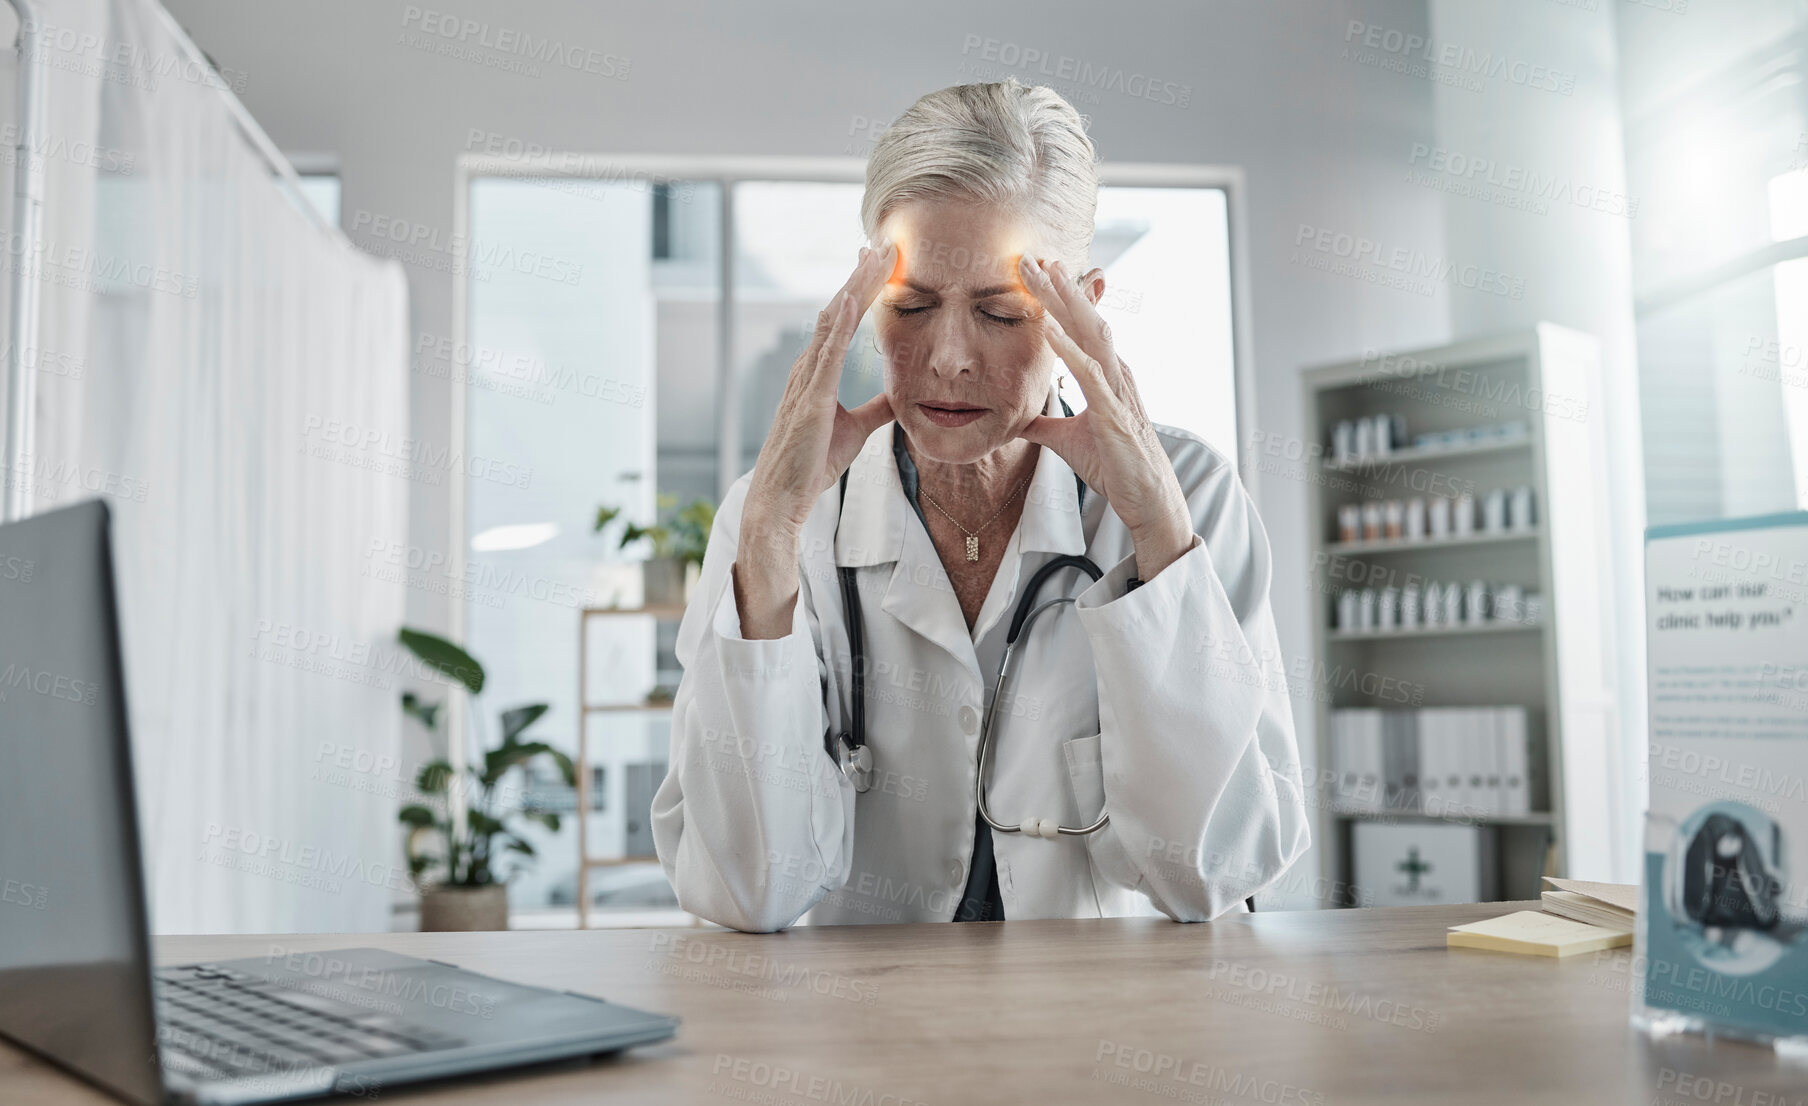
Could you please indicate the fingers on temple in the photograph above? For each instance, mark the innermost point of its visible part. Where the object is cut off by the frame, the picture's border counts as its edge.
(844, 317)
(875, 269)
(1036, 278)
(825, 322)
(1086, 368)
(849, 306)
(854, 285)
(1082, 321)
(1094, 334)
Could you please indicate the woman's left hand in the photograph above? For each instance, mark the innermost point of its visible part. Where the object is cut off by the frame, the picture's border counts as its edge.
(1111, 444)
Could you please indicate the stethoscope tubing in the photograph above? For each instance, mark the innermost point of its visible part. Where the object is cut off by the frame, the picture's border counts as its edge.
(855, 754)
(1021, 624)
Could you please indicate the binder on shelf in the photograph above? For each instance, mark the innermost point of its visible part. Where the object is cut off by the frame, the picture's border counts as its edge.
(1357, 764)
(1434, 762)
(1441, 731)
(1476, 754)
(1447, 734)
(1481, 760)
(1516, 774)
(1374, 759)
(1407, 733)
(1393, 757)
(1344, 784)
(1460, 726)
(1370, 783)
(1459, 763)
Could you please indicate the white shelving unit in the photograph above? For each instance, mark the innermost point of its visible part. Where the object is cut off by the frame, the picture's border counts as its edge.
(1421, 545)
(1428, 455)
(1559, 668)
(586, 759)
(1435, 631)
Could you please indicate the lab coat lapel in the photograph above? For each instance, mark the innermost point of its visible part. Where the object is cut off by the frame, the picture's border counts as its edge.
(871, 528)
(877, 527)
(921, 597)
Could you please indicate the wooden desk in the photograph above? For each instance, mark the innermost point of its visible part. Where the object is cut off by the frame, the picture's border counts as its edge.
(1355, 1006)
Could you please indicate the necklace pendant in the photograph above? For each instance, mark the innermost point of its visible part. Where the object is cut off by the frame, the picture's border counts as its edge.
(972, 548)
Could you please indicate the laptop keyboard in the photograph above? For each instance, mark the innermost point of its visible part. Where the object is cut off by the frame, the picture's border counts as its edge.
(216, 1022)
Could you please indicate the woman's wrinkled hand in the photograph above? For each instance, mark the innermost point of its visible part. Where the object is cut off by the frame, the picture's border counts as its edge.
(1112, 443)
(812, 442)
(813, 437)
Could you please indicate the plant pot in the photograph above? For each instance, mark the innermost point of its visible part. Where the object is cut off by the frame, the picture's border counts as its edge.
(662, 582)
(451, 909)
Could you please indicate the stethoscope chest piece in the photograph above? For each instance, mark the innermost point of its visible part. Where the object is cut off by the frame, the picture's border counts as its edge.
(856, 763)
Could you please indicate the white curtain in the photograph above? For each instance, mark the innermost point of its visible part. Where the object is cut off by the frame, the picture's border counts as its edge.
(204, 347)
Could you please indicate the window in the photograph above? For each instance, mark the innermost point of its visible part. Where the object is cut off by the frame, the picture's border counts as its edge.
(317, 174)
(1720, 263)
(576, 326)
(322, 190)
(1789, 223)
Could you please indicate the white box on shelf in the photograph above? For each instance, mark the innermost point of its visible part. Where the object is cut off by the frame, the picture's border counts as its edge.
(1423, 863)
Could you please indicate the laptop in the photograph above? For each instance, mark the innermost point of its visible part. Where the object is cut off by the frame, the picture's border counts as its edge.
(76, 981)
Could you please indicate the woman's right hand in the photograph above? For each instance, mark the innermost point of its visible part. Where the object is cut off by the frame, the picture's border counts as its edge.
(812, 442)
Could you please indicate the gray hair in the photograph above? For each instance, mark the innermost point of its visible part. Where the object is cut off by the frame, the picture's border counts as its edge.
(1018, 146)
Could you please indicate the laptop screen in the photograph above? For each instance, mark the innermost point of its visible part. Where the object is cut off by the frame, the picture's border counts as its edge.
(74, 964)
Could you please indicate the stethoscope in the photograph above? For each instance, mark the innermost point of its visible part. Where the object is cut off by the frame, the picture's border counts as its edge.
(856, 757)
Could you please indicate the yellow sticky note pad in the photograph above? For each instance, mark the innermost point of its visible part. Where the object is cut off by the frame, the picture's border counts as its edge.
(1533, 933)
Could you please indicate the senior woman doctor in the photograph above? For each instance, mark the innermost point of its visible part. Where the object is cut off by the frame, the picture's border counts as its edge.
(1159, 703)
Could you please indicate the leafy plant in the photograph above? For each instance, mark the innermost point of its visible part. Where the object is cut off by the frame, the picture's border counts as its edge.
(468, 859)
(683, 536)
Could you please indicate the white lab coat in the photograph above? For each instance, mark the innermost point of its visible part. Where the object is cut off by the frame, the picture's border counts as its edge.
(1167, 705)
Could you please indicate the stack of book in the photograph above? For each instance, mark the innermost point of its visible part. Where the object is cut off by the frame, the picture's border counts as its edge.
(1607, 905)
(1529, 933)
(1462, 762)
(1578, 917)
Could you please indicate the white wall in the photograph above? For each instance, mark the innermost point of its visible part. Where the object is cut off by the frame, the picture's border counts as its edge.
(1325, 140)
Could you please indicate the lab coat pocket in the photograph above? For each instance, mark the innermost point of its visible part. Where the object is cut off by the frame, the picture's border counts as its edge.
(1086, 775)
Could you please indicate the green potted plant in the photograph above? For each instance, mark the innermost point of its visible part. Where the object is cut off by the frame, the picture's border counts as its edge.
(677, 546)
(465, 888)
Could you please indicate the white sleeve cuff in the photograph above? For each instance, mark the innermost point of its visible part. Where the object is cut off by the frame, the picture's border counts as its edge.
(765, 657)
(1162, 592)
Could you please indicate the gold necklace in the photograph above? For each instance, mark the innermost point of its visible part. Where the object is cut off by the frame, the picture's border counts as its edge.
(973, 535)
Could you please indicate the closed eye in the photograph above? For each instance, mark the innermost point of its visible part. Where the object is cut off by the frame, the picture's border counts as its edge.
(1003, 320)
